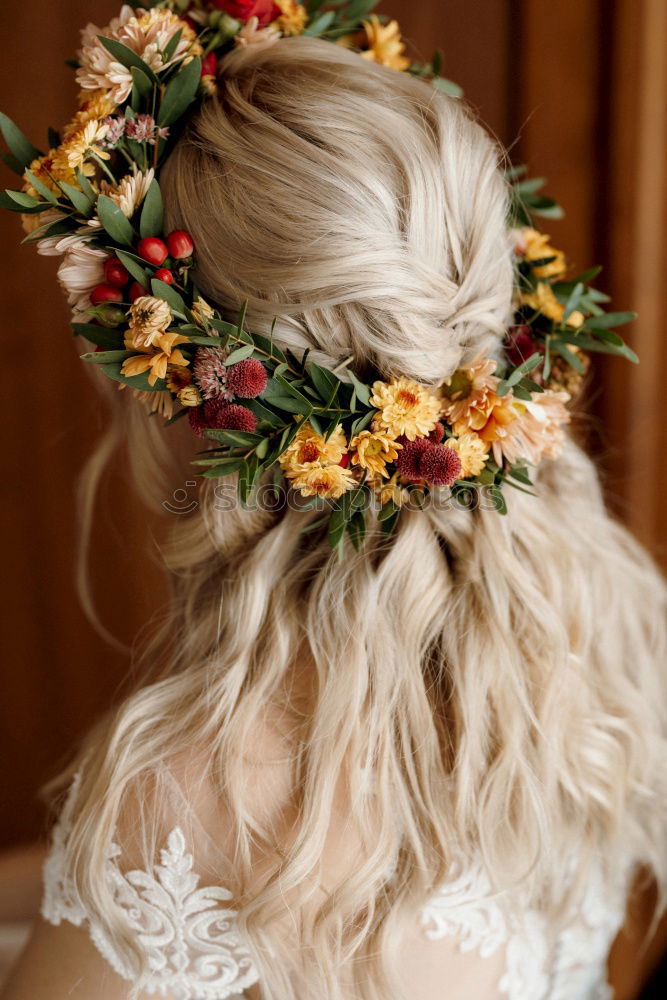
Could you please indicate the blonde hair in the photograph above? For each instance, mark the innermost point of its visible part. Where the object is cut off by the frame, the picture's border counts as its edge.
(490, 686)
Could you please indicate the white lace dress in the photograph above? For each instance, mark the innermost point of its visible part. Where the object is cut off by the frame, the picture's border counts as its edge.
(195, 953)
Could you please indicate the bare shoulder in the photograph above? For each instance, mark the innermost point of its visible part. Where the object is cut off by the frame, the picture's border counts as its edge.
(62, 963)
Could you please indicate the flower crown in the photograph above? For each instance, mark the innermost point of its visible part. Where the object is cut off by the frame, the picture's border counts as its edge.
(340, 444)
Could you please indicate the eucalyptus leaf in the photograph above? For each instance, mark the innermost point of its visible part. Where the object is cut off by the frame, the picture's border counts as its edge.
(161, 290)
(10, 161)
(240, 354)
(20, 147)
(180, 93)
(115, 222)
(81, 201)
(41, 188)
(152, 212)
(126, 57)
(131, 264)
(320, 24)
(104, 357)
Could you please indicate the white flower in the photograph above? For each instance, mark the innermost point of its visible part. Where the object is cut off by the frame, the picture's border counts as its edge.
(81, 268)
(128, 194)
(146, 33)
(252, 34)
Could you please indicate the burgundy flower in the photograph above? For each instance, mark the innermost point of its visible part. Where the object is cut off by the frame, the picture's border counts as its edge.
(264, 10)
(519, 344)
(437, 434)
(408, 461)
(439, 465)
(247, 378)
(215, 413)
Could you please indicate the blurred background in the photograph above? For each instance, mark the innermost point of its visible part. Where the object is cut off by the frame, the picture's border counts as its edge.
(577, 90)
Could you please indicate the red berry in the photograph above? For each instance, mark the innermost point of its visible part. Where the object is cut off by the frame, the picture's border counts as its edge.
(180, 244)
(440, 465)
(136, 291)
(105, 293)
(153, 250)
(209, 65)
(247, 378)
(162, 274)
(115, 273)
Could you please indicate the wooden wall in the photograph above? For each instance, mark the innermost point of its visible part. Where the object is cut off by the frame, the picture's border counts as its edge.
(577, 90)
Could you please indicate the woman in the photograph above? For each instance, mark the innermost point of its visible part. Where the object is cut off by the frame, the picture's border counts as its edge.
(430, 767)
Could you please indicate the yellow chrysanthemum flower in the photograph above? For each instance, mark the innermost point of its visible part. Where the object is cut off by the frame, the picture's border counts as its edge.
(391, 489)
(372, 450)
(202, 311)
(93, 107)
(544, 301)
(405, 407)
(537, 247)
(157, 358)
(310, 448)
(149, 319)
(293, 17)
(385, 45)
(324, 481)
(48, 169)
(73, 153)
(472, 451)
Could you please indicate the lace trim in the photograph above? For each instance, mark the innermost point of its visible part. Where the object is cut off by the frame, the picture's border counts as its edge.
(193, 951)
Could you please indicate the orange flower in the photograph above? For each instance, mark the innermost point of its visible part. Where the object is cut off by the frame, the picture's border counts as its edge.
(156, 359)
(490, 421)
(469, 388)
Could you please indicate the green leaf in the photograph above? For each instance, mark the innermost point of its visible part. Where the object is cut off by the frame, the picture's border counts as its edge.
(496, 494)
(110, 340)
(25, 201)
(104, 357)
(264, 413)
(289, 404)
(161, 290)
(224, 468)
(324, 381)
(10, 161)
(240, 354)
(41, 188)
(573, 300)
(152, 212)
(21, 148)
(131, 264)
(336, 528)
(116, 224)
(81, 202)
(172, 45)
(607, 320)
(272, 351)
(320, 24)
(60, 228)
(85, 185)
(363, 391)
(234, 438)
(126, 57)
(363, 422)
(447, 86)
(142, 88)
(180, 93)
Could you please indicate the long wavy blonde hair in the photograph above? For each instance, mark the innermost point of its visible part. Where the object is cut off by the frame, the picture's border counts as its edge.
(488, 686)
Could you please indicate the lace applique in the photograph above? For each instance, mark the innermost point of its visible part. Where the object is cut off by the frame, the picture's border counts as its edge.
(538, 965)
(467, 909)
(192, 949)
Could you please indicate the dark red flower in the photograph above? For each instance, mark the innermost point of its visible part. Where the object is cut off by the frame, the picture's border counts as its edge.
(264, 10)
(409, 458)
(437, 434)
(439, 465)
(217, 414)
(247, 378)
(519, 344)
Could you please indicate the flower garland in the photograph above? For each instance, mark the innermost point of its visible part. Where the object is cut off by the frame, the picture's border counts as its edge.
(340, 444)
